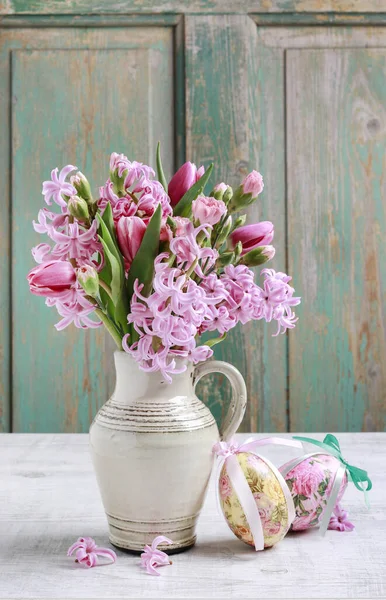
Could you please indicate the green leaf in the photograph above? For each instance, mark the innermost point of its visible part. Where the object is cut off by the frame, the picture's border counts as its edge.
(142, 267)
(116, 275)
(160, 171)
(215, 341)
(184, 206)
(113, 272)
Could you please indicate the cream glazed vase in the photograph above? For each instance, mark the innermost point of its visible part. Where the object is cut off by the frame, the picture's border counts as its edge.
(151, 446)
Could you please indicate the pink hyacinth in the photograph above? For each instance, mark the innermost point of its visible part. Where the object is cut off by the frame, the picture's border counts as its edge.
(208, 210)
(253, 184)
(188, 250)
(58, 186)
(152, 558)
(74, 308)
(77, 242)
(278, 300)
(339, 521)
(87, 552)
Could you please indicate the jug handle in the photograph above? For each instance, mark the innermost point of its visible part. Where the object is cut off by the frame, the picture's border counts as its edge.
(239, 394)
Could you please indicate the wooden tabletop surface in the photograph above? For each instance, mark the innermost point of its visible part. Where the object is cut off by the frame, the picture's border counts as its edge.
(49, 498)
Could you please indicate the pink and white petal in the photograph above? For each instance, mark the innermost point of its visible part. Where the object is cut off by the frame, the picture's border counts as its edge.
(106, 553)
(160, 539)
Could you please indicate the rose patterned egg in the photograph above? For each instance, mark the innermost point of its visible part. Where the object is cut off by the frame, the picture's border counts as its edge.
(310, 483)
(269, 497)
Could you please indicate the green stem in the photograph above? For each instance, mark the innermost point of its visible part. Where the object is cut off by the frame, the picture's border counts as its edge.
(106, 287)
(110, 327)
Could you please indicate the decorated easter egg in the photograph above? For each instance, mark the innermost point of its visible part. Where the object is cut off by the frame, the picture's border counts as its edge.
(311, 482)
(268, 495)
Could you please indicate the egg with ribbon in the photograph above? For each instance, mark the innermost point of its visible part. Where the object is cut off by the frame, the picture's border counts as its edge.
(254, 498)
(317, 483)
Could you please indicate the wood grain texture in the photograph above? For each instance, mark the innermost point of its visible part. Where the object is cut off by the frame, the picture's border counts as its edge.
(336, 146)
(49, 497)
(113, 92)
(193, 6)
(230, 115)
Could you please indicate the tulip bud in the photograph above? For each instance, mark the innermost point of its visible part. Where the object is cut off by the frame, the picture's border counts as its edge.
(130, 232)
(251, 236)
(247, 192)
(89, 280)
(77, 207)
(183, 180)
(258, 256)
(52, 279)
(225, 259)
(82, 186)
(224, 232)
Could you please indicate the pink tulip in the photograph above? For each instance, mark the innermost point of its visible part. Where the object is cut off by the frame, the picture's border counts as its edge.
(208, 211)
(253, 184)
(251, 236)
(182, 181)
(130, 232)
(52, 279)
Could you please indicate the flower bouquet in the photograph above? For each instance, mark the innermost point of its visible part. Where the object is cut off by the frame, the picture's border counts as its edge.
(158, 264)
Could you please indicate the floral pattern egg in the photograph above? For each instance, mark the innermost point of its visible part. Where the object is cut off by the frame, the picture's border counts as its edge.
(269, 497)
(310, 483)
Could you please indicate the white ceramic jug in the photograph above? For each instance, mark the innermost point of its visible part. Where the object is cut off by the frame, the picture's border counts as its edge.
(151, 445)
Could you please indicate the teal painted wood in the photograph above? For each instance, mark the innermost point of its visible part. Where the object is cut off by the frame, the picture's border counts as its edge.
(69, 108)
(231, 116)
(193, 6)
(336, 145)
(5, 255)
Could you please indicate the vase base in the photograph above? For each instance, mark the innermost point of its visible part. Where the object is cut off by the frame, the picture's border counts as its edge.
(167, 549)
(132, 536)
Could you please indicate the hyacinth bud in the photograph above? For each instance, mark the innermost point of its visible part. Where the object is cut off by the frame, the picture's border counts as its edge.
(77, 207)
(89, 280)
(218, 191)
(172, 224)
(258, 256)
(82, 186)
(238, 250)
(240, 221)
(247, 192)
(228, 195)
(225, 259)
(226, 228)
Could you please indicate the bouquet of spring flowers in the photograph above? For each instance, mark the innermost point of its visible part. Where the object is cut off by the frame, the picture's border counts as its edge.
(158, 264)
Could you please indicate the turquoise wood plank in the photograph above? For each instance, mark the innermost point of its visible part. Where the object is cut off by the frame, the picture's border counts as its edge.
(193, 6)
(75, 105)
(5, 254)
(234, 96)
(336, 144)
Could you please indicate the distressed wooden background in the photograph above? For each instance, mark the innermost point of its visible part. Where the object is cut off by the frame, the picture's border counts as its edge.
(295, 89)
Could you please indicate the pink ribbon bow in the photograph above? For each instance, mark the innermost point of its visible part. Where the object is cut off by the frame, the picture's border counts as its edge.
(227, 451)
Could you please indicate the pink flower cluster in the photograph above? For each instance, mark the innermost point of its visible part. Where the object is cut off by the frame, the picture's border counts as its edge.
(201, 280)
(75, 245)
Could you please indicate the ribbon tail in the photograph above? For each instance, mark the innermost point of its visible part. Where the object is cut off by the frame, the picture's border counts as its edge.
(247, 500)
(332, 499)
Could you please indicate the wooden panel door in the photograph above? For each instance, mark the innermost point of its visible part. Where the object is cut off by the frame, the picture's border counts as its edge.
(334, 104)
(75, 95)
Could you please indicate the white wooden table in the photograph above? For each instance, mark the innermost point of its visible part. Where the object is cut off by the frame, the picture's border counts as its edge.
(49, 497)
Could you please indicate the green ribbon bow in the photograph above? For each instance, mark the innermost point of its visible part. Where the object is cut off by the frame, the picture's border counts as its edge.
(331, 445)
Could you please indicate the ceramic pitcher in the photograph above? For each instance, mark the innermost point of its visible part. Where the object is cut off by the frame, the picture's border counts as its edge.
(151, 445)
